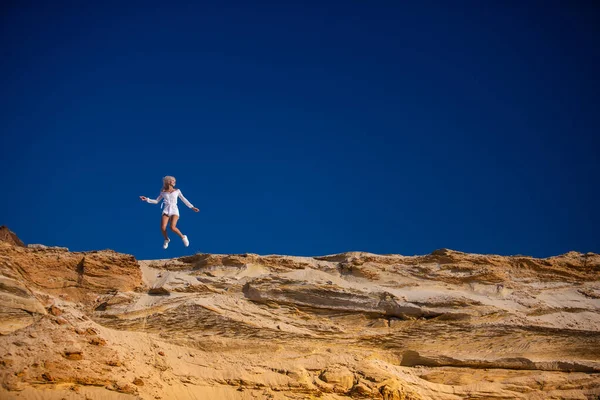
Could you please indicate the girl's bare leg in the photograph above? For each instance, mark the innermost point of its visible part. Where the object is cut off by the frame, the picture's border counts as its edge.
(163, 225)
(174, 219)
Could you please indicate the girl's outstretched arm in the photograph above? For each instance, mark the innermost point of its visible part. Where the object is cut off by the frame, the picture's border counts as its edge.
(151, 201)
(187, 203)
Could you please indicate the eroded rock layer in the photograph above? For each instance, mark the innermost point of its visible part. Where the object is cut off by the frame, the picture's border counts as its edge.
(448, 325)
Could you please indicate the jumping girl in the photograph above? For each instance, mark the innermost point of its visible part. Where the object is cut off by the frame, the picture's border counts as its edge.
(170, 212)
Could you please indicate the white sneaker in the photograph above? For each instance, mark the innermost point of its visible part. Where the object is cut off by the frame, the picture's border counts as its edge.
(186, 242)
(166, 243)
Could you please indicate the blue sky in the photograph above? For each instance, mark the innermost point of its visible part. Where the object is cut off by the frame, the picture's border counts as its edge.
(303, 128)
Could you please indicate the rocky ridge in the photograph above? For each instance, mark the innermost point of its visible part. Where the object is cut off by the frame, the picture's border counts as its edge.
(448, 325)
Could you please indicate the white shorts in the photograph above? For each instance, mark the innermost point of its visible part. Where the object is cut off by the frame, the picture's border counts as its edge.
(170, 211)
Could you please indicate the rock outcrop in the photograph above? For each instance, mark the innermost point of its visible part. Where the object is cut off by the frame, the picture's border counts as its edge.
(448, 325)
(8, 236)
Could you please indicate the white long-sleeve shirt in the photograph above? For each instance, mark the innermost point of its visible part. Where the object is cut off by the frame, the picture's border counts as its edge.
(169, 205)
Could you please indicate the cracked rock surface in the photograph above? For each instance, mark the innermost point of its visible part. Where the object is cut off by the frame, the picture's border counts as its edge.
(448, 325)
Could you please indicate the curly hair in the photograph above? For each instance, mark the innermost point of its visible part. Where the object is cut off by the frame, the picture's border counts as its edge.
(166, 181)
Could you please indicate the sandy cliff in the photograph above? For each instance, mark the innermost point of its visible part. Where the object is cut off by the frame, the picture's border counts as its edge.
(449, 325)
